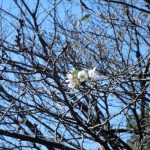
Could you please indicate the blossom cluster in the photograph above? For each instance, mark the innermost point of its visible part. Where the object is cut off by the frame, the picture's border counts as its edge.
(75, 77)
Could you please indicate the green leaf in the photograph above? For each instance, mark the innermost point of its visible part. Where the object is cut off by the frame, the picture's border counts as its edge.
(78, 22)
(74, 72)
(121, 33)
(75, 23)
(86, 17)
(75, 45)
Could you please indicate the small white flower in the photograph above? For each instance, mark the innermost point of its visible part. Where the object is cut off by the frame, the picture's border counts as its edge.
(72, 81)
(69, 76)
(93, 74)
(82, 76)
(71, 85)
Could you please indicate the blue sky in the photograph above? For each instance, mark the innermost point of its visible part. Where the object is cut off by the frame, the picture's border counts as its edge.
(8, 4)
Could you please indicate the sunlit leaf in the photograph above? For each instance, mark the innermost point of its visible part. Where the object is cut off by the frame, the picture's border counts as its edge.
(86, 17)
(121, 33)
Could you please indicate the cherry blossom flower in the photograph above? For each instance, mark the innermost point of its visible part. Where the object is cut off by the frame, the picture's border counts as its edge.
(73, 82)
(93, 74)
(70, 78)
(82, 76)
(75, 77)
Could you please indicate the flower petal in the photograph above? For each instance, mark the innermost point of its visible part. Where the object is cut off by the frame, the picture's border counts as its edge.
(69, 76)
(67, 81)
(93, 74)
(71, 85)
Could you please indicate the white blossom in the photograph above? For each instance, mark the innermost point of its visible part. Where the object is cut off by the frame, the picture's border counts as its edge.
(75, 77)
(69, 76)
(71, 85)
(82, 76)
(93, 74)
(72, 82)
